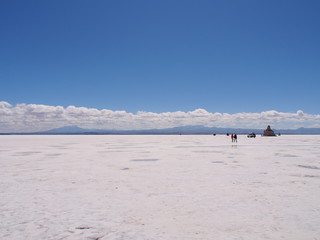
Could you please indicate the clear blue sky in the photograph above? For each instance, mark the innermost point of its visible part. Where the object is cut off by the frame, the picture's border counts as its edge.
(224, 56)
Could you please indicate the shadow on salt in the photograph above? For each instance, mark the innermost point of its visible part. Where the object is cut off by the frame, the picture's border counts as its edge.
(25, 153)
(145, 160)
(310, 167)
(217, 161)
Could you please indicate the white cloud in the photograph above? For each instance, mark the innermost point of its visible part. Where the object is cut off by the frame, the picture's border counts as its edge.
(36, 117)
(300, 113)
(4, 105)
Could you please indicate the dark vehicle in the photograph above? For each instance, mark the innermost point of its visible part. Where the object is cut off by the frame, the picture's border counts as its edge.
(251, 135)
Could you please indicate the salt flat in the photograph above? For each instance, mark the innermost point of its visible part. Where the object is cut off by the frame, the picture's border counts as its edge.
(159, 187)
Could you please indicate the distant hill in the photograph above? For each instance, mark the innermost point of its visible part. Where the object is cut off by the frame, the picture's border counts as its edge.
(305, 131)
(197, 129)
(67, 129)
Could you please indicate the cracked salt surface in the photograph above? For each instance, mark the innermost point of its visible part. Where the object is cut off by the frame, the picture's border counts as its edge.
(178, 187)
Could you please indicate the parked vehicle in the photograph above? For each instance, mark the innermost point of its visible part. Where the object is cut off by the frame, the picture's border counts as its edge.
(251, 135)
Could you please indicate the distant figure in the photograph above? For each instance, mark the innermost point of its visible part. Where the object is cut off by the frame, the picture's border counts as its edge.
(235, 137)
(232, 138)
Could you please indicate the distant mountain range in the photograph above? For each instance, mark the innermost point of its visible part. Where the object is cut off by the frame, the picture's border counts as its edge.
(173, 131)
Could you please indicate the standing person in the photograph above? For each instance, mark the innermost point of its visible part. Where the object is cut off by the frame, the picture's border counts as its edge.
(235, 138)
(232, 138)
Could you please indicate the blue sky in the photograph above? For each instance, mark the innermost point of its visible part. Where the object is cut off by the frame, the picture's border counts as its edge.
(162, 56)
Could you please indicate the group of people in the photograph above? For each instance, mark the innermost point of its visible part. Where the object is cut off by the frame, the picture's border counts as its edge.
(234, 138)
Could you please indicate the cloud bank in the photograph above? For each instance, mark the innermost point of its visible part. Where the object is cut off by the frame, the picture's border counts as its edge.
(36, 117)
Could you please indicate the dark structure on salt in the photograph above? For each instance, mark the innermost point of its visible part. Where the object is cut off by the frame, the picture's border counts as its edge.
(268, 132)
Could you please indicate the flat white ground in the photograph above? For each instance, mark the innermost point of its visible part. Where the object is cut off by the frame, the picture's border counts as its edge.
(159, 187)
